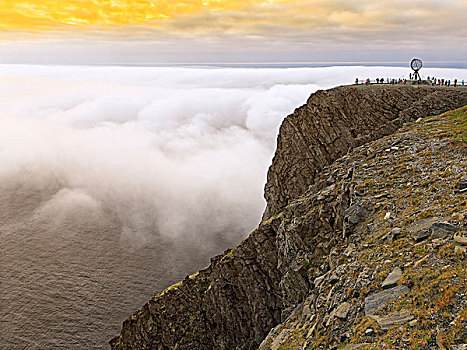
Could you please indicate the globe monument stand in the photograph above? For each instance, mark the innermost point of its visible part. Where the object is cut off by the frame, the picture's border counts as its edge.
(416, 65)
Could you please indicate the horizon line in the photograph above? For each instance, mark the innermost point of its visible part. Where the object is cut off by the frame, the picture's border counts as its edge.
(164, 64)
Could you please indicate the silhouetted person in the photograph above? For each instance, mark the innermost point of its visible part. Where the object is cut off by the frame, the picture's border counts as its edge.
(455, 82)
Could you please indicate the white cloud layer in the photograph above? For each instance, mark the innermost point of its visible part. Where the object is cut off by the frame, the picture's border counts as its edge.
(178, 152)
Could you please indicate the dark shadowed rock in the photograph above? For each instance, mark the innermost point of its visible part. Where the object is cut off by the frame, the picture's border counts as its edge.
(442, 229)
(461, 184)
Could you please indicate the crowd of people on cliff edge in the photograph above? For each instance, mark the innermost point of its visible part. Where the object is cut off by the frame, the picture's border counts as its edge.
(428, 81)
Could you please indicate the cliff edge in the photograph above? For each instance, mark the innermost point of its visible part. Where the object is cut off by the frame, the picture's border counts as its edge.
(334, 121)
(331, 196)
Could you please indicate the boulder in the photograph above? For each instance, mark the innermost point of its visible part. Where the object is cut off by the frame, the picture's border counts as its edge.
(342, 311)
(420, 236)
(392, 279)
(395, 319)
(442, 229)
(377, 301)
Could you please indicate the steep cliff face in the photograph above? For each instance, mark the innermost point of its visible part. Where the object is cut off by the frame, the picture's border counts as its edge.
(400, 279)
(236, 301)
(334, 121)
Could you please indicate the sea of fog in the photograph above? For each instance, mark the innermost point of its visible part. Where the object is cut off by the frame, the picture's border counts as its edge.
(116, 182)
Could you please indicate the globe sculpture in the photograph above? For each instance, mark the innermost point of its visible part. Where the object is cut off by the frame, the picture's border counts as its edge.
(416, 65)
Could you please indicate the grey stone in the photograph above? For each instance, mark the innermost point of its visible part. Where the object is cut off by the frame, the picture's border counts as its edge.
(377, 301)
(355, 346)
(419, 225)
(354, 213)
(396, 233)
(342, 311)
(461, 240)
(392, 279)
(294, 288)
(421, 235)
(442, 229)
(396, 319)
(445, 226)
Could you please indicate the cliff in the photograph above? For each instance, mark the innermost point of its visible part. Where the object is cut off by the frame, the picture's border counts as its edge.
(342, 213)
(334, 121)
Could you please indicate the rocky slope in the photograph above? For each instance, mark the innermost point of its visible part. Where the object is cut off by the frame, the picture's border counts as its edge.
(310, 274)
(399, 281)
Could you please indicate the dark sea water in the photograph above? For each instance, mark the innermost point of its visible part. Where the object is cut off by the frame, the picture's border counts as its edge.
(68, 279)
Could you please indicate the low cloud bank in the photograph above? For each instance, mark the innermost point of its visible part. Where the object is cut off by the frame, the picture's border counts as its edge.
(173, 152)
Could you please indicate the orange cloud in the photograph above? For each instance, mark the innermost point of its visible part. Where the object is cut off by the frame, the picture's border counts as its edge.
(300, 20)
(48, 14)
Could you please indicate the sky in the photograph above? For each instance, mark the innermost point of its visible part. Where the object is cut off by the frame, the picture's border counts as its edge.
(232, 31)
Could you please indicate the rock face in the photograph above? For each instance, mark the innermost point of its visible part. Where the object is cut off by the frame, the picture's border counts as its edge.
(302, 267)
(334, 121)
(234, 301)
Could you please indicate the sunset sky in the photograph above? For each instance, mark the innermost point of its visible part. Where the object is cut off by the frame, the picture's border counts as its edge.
(197, 31)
